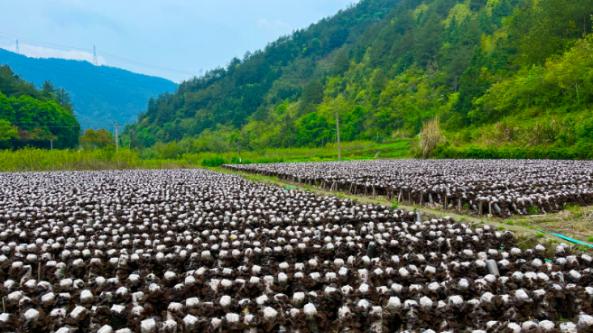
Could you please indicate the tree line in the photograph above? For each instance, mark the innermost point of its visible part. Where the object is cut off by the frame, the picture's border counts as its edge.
(35, 117)
(42, 117)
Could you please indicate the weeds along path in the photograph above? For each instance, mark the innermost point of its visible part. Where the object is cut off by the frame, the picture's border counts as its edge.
(524, 228)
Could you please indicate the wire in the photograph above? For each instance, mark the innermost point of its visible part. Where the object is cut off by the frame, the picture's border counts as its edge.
(103, 76)
(146, 65)
(45, 43)
(39, 43)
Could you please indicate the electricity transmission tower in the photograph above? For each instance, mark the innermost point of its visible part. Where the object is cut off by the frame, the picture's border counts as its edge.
(95, 62)
(116, 125)
(18, 51)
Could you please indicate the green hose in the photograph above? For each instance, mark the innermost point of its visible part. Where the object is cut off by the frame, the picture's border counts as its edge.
(566, 238)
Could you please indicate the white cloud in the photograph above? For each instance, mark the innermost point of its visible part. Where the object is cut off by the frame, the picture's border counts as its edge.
(33, 51)
(272, 24)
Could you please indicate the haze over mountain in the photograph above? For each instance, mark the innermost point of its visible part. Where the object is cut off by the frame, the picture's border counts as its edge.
(100, 94)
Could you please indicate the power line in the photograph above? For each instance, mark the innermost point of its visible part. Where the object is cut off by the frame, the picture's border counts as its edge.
(102, 76)
(146, 65)
(39, 43)
(58, 46)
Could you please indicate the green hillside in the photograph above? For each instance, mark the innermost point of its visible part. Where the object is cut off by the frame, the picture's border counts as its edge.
(100, 94)
(507, 77)
(35, 117)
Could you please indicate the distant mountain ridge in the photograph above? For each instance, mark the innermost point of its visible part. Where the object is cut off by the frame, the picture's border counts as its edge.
(100, 94)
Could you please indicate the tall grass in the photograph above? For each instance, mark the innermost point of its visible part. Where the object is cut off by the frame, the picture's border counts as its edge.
(430, 136)
(32, 159)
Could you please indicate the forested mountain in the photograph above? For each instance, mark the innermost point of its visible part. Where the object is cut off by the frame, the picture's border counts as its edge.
(35, 117)
(494, 72)
(100, 94)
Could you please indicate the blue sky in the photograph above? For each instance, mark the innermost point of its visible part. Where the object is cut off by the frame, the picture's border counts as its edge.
(170, 38)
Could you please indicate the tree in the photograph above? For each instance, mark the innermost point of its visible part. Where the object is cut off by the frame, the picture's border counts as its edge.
(476, 5)
(92, 139)
(7, 131)
(338, 38)
(62, 97)
(548, 27)
(342, 63)
(312, 95)
(428, 40)
(48, 90)
(311, 129)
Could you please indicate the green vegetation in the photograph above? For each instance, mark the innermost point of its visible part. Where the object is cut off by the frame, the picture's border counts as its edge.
(92, 139)
(100, 94)
(533, 210)
(474, 79)
(32, 159)
(577, 211)
(32, 117)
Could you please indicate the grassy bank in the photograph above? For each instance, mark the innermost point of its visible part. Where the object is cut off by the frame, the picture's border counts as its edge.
(31, 159)
(583, 151)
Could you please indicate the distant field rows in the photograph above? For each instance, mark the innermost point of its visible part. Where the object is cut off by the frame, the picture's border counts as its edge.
(497, 187)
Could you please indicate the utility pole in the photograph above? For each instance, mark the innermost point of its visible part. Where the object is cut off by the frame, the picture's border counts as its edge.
(18, 51)
(95, 62)
(116, 125)
(238, 150)
(338, 132)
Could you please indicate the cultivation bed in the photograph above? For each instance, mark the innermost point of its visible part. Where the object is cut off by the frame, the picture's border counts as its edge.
(497, 187)
(200, 251)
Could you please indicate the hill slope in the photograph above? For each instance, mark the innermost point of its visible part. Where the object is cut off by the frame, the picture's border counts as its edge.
(100, 94)
(35, 117)
(497, 73)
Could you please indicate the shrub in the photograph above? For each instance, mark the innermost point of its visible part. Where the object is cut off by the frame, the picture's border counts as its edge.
(215, 161)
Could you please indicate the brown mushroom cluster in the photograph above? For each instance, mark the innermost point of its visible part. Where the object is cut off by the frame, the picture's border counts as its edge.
(497, 187)
(199, 251)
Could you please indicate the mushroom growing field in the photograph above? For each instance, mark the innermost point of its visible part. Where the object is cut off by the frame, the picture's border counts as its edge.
(497, 187)
(200, 251)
